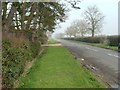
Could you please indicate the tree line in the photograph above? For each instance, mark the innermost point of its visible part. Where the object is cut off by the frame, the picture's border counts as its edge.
(91, 23)
(31, 17)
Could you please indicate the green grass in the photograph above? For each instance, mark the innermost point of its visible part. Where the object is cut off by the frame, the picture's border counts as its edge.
(107, 47)
(102, 46)
(57, 68)
(52, 41)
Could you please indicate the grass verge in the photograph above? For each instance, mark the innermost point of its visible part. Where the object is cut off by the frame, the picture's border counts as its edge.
(52, 41)
(115, 48)
(57, 68)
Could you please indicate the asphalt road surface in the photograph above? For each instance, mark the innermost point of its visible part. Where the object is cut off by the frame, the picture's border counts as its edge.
(104, 61)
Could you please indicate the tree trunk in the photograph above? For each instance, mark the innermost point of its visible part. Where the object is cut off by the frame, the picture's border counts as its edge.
(0, 26)
(92, 33)
(93, 28)
(82, 34)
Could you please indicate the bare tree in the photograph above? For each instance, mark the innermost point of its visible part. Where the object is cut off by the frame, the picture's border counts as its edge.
(94, 19)
(82, 27)
(68, 32)
(78, 27)
(73, 30)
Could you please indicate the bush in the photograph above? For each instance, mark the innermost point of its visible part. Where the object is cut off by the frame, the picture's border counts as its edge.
(14, 57)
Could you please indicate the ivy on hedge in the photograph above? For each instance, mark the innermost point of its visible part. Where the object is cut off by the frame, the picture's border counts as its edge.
(14, 60)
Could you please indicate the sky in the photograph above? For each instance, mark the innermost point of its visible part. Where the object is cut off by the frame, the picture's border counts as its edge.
(109, 9)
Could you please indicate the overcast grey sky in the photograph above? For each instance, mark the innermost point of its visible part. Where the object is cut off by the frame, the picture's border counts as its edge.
(109, 8)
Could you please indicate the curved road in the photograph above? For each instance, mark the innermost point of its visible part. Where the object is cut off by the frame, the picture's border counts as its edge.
(104, 61)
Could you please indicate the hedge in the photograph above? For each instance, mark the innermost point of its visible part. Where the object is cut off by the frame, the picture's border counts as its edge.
(91, 39)
(14, 58)
(113, 40)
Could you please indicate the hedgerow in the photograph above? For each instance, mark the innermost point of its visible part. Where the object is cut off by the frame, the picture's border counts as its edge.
(14, 59)
(114, 40)
(107, 40)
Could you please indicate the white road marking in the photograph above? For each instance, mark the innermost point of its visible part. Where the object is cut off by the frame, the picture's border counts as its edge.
(107, 54)
(113, 55)
(110, 54)
(116, 56)
(91, 49)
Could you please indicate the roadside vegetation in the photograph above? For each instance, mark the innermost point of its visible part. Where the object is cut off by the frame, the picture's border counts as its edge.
(115, 48)
(107, 42)
(15, 56)
(57, 68)
(24, 27)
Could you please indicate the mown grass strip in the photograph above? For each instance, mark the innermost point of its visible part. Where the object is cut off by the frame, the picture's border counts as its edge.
(57, 68)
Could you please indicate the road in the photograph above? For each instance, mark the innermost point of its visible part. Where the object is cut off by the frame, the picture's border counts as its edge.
(104, 61)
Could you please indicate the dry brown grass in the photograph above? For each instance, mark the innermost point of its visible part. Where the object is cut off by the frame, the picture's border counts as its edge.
(18, 42)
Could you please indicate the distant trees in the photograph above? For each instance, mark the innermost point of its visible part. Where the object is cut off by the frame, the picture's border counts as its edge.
(82, 27)
(72, 30)
(59, 35)
(90, 24)
(78, 27)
